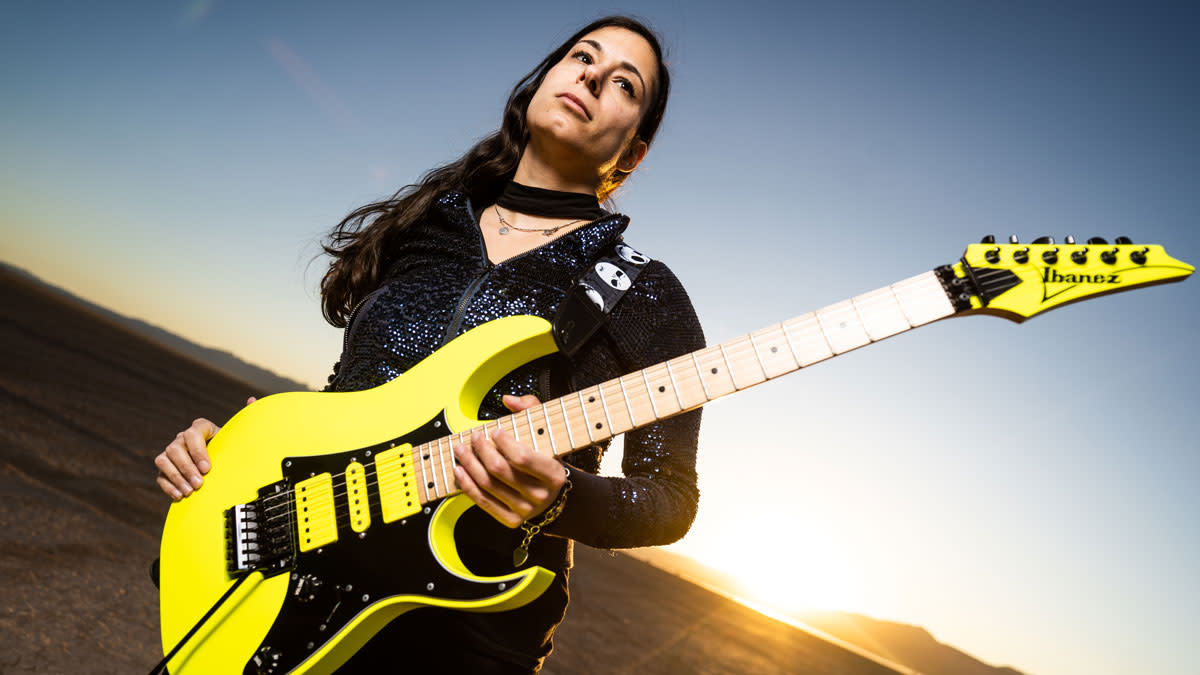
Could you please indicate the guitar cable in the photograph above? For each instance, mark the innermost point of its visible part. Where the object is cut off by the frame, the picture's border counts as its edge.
(161, 667)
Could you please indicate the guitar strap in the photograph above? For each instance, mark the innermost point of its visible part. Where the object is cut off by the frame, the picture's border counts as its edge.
(588, 303)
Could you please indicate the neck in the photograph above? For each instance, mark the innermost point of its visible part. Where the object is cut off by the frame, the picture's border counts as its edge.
(534, 171)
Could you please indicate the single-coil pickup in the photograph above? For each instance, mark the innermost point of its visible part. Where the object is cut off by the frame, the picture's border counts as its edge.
(315, 512)
(397, 483)
(356, 497)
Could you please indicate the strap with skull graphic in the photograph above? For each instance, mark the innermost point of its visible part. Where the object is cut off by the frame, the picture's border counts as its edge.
(589, 302)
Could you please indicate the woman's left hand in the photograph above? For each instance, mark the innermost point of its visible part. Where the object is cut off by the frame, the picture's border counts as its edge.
(506, 477)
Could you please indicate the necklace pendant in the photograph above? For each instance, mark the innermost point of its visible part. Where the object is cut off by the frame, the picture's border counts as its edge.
(547, 233)
(503, 229)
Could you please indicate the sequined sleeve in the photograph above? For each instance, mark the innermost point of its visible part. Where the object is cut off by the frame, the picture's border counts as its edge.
(655, 502)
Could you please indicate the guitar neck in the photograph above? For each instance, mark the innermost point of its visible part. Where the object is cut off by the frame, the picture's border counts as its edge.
(598, 413)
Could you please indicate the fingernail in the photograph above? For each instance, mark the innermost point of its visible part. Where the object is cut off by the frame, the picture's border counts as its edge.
(195, 481)
(175, 495)
(187, 490)
(203, 466)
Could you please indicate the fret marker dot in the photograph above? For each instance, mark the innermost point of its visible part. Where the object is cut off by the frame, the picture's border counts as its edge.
(541, 431)
(591, 399)
(714, 371)
(599, 425)
(774, 349)
(429, 484)
(661, 389)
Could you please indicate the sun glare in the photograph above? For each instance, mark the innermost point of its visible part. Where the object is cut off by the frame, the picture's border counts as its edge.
(788, 565)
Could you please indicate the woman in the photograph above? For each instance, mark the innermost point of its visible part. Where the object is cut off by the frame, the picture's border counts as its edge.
(507, 230)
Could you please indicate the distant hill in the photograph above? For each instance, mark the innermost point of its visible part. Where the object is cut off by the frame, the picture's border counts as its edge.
(901, 645)
(262, 380)
(912, 646)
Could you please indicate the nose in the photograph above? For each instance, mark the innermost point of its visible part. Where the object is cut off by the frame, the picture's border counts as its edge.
(591, 79)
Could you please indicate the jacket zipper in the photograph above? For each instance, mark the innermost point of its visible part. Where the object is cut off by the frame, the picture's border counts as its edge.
(457, 317)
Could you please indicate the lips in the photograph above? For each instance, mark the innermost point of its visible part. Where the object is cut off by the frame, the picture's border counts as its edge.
(576, 104)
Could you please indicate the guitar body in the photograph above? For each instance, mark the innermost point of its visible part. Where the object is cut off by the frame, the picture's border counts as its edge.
(311, 613)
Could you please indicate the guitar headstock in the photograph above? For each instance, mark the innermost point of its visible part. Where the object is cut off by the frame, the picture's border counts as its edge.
(1017, 280)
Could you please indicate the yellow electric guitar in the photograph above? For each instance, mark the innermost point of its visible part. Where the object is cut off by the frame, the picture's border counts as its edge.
(326, 515)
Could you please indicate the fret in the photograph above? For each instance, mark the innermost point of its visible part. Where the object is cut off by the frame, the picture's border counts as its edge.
(774, 353)
(687, 382)
(625, 395)
(813, 345)
(842, 330)
(650, 395)
(442, 462)
(787, 336)
(923, 299)
(675, 386)
(880, 314)
(747, 372)
(720, 380)
(529, 426)
(728, 369)
(659, 385)
(700, 374)
(758, 357)
(550, 431)
(587, 423)
(899, 305)
(604, 405)
(419, 470)
(516, 434)
(562, 404)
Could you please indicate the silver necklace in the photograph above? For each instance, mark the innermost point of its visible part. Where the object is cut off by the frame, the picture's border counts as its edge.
(506, 226)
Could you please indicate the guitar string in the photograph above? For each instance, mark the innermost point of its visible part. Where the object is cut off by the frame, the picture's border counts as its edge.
(737, 347)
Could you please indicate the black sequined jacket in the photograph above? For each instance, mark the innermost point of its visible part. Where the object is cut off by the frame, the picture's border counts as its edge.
(441, 284)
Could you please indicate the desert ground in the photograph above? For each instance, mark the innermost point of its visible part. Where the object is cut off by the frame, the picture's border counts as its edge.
(86, 405)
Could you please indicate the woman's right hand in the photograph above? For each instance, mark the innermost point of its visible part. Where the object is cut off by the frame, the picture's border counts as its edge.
(185, 460)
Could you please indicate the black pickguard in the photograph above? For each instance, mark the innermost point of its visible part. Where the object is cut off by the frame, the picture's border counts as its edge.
(331, 585)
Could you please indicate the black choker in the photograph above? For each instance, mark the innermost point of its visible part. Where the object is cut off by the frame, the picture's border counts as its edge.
(534, 201)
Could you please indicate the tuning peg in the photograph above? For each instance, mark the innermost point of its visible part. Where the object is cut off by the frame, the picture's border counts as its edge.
(1022, 256)
(1097, 241)
(1070, 239)
(1044, 240)
(988, 239)
(1050, 255)
(1012, 239)
(1109, 257)
(1080, 256)
(1139, 257)
(1123, 240)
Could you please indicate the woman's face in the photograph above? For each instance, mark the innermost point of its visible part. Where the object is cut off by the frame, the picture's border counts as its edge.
(584, 117)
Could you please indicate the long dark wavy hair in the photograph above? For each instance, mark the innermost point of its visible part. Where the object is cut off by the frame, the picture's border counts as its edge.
(361, 244)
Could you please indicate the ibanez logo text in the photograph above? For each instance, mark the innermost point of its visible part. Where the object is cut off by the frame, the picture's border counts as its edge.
(1051, 276)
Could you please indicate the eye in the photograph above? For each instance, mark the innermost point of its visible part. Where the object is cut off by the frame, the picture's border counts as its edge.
(583, 57)
(627, 86)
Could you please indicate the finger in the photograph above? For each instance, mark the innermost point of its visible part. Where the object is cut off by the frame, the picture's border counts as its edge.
(181, 456)
(196, 442)
(168, 466)
(484, 500)
(250, 400)
(488, 469)
(519, 403)
(531, 467)
(168, 487)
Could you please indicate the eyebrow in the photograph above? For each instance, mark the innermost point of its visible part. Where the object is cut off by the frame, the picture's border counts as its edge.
(624, 64)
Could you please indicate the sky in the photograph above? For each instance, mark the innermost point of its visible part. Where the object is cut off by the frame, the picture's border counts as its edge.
(1025, 492)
